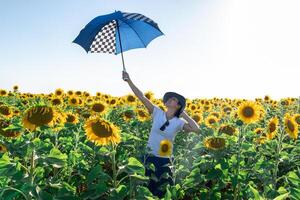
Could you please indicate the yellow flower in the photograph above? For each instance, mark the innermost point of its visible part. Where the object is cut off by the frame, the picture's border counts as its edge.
(6, 111)
(249, 112)
(101, 131)
(73, 100)
(291, 126)
(59, 92)
(128, 115)
(3, 92)
(165, 148)
(7, 133)
(130, 99)
(259, 131)
(211, 121)
(272, 128)
(56, 101)
(214, 143)
(142, 114)
(71, 118)
(38, 116)
(99, 107)
(149, 95)
(197, 117)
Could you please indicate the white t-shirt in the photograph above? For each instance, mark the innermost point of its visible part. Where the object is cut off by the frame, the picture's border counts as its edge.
(156, 135)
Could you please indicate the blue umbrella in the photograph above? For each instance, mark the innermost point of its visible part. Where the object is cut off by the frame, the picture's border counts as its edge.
(118, 32)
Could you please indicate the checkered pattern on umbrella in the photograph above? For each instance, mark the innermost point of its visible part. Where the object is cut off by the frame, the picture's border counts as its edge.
(105, 40)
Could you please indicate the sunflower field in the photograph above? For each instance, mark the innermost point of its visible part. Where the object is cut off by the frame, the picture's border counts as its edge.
(72, 145)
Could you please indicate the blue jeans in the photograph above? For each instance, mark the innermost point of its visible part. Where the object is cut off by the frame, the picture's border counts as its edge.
(158, 162)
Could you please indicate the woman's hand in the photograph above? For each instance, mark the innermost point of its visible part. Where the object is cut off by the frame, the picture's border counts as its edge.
(125, 76)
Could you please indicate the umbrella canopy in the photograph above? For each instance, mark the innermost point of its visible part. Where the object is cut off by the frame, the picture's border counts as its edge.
(117, 32)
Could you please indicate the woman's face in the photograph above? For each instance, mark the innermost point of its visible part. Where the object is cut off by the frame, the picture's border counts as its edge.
(172, 103)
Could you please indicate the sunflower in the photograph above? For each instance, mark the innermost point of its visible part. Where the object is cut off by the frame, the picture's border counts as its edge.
(89, 101)
(272, 128)
(211, 121)
(165, 148)
(249, 111)
(38, 116)
(227, 129)
(259, 131)
(130, 99)
(99, 107)
(291, 126)
(3, 148)
(141, 114)
(197, 117)
(71, 118)
(15, 88)
(149, 95)
(226, 109)
(73, 100)
(207, 107)
(6, 111)
(3, 92)
(56, 101)
(101, 131)
(70, 92)
(214, 143)
(128, 115)
(59, 92)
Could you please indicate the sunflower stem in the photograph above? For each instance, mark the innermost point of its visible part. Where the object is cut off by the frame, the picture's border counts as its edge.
(278, 151)
(240, 137)
(32, 163)
(114, 166)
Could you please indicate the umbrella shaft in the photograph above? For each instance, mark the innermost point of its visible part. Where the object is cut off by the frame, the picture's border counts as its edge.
(121, 46)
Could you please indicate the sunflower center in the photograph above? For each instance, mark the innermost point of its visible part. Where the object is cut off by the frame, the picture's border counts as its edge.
(141, 113)
(217, 142)
(98, 107)
(272, 127)
(101, 129)
(211, 121)
(56, 101)
(40, 115)
(290, 125)
(4, 110)
(70, 118)
(164, 148)
(248, 111)
(131, 98)
(73, 101)
(128, 114)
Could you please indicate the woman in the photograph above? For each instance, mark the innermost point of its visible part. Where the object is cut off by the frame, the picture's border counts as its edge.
(164, 128)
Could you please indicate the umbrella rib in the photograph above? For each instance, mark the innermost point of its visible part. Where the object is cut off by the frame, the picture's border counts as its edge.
(135, 33)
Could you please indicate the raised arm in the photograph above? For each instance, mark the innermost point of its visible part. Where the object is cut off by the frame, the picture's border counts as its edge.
(148, 104)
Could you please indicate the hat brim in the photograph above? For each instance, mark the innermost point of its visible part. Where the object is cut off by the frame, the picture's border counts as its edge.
(180, 98)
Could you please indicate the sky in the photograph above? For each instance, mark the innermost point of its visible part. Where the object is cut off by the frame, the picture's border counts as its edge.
(211, 48)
